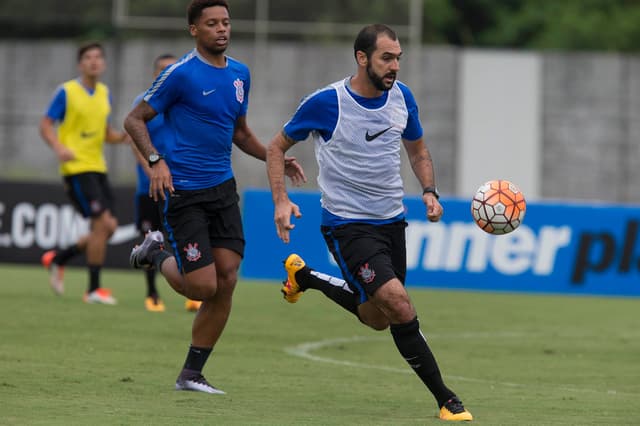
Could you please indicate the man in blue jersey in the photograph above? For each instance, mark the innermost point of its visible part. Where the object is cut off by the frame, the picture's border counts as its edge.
(358, 125)
(147, 210)
(204, 99)
(76, 126)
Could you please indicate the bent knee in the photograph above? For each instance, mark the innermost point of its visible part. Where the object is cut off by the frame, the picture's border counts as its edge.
(227, 278)
(377, 324)
(201, 290)
(373, 319)
(106, 224)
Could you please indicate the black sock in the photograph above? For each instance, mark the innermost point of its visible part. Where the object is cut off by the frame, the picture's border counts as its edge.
(62, 257)
(413, 347)
(196, 358)
(94, 277)
(159, 256)
(334, 288)
(150, 276)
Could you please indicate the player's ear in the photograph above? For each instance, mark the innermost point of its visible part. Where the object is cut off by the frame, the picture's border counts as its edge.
(193, 30)
(361, 58)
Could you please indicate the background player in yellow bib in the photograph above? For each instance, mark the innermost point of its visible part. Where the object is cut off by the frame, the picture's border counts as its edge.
(75, 126)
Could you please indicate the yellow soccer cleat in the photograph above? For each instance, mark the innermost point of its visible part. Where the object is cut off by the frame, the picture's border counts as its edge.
(192, 305)
(291, 290)
(154, 304)
(454, 410)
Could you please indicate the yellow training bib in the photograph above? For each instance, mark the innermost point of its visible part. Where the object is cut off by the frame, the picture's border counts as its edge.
(84, 128)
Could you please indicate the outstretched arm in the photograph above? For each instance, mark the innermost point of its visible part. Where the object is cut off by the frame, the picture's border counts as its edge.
(115, 136)
(246, 140)
(422, 166)
(283, 207)
(48, 133)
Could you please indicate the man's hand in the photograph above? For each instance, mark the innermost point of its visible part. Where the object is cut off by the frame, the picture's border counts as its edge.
(282, 218)
(294, 170)
(434, 208)
(160, 181)
(63, 153)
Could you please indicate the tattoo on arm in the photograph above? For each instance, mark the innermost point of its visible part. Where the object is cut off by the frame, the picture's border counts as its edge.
(136, 126)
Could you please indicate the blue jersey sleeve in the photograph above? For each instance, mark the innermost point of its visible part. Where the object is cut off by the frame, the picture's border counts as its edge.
(58, 105)
(137, 100)
(317, 112)
(164, 91)
(413, 131)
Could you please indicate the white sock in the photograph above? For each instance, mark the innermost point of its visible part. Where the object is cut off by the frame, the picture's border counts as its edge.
(338, 282)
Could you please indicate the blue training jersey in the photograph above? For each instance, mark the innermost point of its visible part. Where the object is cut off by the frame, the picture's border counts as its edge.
(159, 137)
(201, 104)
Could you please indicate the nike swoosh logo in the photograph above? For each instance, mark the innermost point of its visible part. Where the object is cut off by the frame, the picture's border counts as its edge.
(369, 137)
(87, 134)
(208, 92)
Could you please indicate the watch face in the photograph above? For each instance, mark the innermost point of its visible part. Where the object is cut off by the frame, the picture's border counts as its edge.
(153, 157)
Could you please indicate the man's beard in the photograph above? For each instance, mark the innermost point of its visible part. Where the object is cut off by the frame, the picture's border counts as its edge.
(378, 81)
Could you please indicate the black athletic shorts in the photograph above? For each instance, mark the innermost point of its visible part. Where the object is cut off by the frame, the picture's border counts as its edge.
(368, 255)
(199, 220)
(90, 193)
(148, 217)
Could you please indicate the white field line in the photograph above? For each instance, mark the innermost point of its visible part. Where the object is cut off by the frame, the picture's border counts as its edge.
(304, 350)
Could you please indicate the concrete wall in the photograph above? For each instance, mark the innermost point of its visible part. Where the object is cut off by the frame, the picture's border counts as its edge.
(585, 111)
(499, 120)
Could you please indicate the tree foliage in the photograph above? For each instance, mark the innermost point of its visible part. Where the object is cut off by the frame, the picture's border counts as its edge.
(611, 25)
(536, 24)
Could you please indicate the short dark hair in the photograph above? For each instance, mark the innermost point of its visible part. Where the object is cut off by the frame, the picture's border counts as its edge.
(194, 11)
(89, 46)
(162, 58)
(368, 36)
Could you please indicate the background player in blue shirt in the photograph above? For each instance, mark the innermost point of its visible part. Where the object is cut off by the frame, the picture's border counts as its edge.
(148, 217)
(147, 210)
(204, 99)
(358, 125)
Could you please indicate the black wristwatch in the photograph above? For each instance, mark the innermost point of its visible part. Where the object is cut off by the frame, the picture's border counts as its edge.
(154, 157)
(433, 190)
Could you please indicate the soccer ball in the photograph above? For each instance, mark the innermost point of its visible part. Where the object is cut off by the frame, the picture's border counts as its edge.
(498, 207)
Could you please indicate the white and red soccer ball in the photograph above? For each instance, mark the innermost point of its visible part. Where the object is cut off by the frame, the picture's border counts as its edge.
(498, 207)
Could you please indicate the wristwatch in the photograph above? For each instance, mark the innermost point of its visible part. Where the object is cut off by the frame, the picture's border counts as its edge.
(433, 190)
(154, 157)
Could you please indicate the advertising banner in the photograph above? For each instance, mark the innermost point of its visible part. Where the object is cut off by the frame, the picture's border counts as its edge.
(575, 248)
(36, 217)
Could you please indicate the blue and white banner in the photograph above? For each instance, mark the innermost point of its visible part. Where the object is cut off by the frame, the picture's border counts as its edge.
(560, 247)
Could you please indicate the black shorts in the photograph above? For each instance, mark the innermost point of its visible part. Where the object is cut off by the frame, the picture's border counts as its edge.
(148, 217)
(199, 220)
(368, 255)
(90, 193)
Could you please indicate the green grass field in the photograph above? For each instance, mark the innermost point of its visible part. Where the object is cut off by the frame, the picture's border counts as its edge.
(513, 359)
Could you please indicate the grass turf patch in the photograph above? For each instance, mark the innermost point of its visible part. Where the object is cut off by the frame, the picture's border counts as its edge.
(512, 358)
